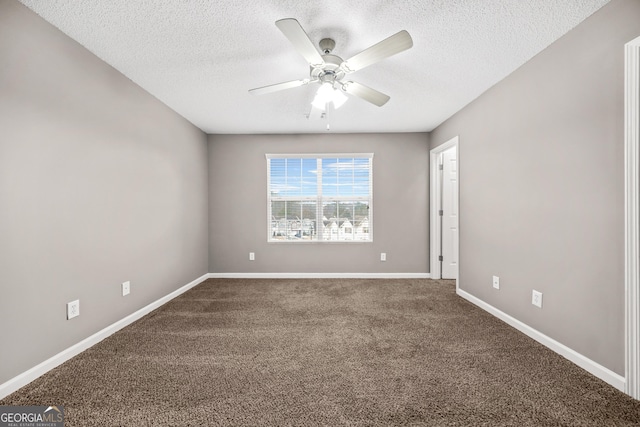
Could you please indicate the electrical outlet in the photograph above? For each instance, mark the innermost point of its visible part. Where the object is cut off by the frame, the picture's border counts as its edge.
(252, 256)
(536, 298)
(496, 282)
(73, 309)
(383, 256)
(126, 288)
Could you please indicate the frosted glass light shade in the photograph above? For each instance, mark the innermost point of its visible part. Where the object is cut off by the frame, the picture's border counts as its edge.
(326, 94)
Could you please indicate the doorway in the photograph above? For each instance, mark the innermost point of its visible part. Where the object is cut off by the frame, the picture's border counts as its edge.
(444, 262)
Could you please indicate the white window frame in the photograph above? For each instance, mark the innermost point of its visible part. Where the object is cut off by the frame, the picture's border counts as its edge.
(319, 198)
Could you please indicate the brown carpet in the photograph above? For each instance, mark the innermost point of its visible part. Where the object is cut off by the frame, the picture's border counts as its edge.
(324, 352)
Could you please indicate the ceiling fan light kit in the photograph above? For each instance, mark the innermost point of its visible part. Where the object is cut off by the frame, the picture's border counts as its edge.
(329, 70)
(327, 93)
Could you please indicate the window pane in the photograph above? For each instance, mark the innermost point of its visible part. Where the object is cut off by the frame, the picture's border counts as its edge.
(293, 220)
(329, 177)
(309, 177)
(345, 221)
(293, 177)
(361, 177)
(308, 228)
(278, 220)
(345, 177)
(277, 177)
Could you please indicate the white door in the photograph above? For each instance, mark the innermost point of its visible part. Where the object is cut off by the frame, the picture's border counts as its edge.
(449, 214)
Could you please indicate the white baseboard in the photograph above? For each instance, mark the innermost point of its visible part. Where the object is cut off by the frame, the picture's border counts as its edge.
(319, 275)
(585, 363)
(26, 377)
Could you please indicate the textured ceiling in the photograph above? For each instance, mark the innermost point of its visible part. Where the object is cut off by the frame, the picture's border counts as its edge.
(200, 57)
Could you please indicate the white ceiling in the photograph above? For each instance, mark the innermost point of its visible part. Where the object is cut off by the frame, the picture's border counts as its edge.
(200, 57)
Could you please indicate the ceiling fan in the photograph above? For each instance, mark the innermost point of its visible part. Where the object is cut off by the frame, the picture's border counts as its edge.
(330, 70)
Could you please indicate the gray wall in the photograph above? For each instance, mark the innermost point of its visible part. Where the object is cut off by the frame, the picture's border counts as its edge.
(238, 205)
(99, 183)
(541, 187)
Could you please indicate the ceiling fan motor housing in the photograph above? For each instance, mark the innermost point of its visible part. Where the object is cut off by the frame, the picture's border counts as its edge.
(330, 72)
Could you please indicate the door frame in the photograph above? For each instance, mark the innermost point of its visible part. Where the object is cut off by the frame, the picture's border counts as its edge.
(435, 188)
(632, 217)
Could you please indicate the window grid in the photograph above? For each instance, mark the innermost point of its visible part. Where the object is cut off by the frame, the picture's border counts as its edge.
(320, 198)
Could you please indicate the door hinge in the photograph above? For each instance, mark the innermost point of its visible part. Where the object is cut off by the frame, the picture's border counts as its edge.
(440, 212)
(441, 167)
(440, 258)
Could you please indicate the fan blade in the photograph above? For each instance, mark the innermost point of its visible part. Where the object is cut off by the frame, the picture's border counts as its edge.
(366, 93)
(292, 30)
(278, 86)
(397, 43)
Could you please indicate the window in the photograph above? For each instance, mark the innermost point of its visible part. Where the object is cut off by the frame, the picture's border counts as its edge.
(320, 198)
